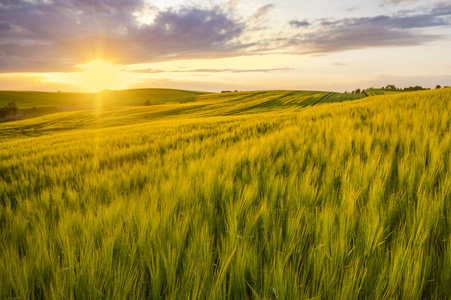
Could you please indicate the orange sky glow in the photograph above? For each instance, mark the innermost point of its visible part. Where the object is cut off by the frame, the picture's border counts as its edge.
(323, 45)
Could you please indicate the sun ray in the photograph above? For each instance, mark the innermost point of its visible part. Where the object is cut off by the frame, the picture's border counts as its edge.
(96, 76)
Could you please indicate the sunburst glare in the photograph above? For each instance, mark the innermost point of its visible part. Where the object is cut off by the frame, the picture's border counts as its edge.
(96, 76)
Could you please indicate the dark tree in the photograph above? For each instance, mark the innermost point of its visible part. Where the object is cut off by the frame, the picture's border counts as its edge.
(9, 110)
(12, 108)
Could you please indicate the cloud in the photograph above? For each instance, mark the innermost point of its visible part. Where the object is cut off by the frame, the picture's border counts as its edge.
(188, 32)
(298, 24)
(49, 36)
(330, 35)
(394, 22)
(4, 27)
(58, 35)
(399, 1)
(342, 38)
(263, 11)
(213, 70)
(337, 64)
(231, 5)
(351, 9)
(258, 21)
(442, 9)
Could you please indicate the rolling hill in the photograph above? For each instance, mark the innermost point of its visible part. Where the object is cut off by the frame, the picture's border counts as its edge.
(35, 104)
(25, 99)
(201, 106)
(269, 194)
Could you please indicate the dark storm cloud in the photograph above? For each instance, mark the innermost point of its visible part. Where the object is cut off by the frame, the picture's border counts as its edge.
(49, 36)
(381, 31)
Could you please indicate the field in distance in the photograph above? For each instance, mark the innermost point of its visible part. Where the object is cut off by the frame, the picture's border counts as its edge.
(266, 195)
(173, 105)
(26, 99)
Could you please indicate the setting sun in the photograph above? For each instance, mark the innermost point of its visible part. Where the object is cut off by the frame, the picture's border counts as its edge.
(99, 75)
(96, 76)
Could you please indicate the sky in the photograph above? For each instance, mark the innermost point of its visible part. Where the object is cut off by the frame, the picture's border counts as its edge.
(214, 45)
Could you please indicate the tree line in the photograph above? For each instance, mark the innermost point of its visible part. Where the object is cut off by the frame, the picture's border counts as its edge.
(392, 87)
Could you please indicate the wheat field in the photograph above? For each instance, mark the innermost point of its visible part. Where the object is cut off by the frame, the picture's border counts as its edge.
(264, 195)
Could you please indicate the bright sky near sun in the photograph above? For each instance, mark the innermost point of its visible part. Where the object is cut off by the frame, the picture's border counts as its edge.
(214, 45)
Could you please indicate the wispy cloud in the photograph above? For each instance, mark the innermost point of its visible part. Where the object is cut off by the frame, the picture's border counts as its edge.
(298, 24)
(337, 64)
(399, 1)
(332, 35)
(263, 11)
(212, 70)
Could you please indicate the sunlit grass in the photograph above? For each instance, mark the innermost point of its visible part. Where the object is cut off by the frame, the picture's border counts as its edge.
(240, 198)
(109, 108)
(25, 99)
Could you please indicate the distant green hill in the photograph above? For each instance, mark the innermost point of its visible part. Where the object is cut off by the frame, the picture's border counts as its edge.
(198, 105)
(34, 104)
(26, 99)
